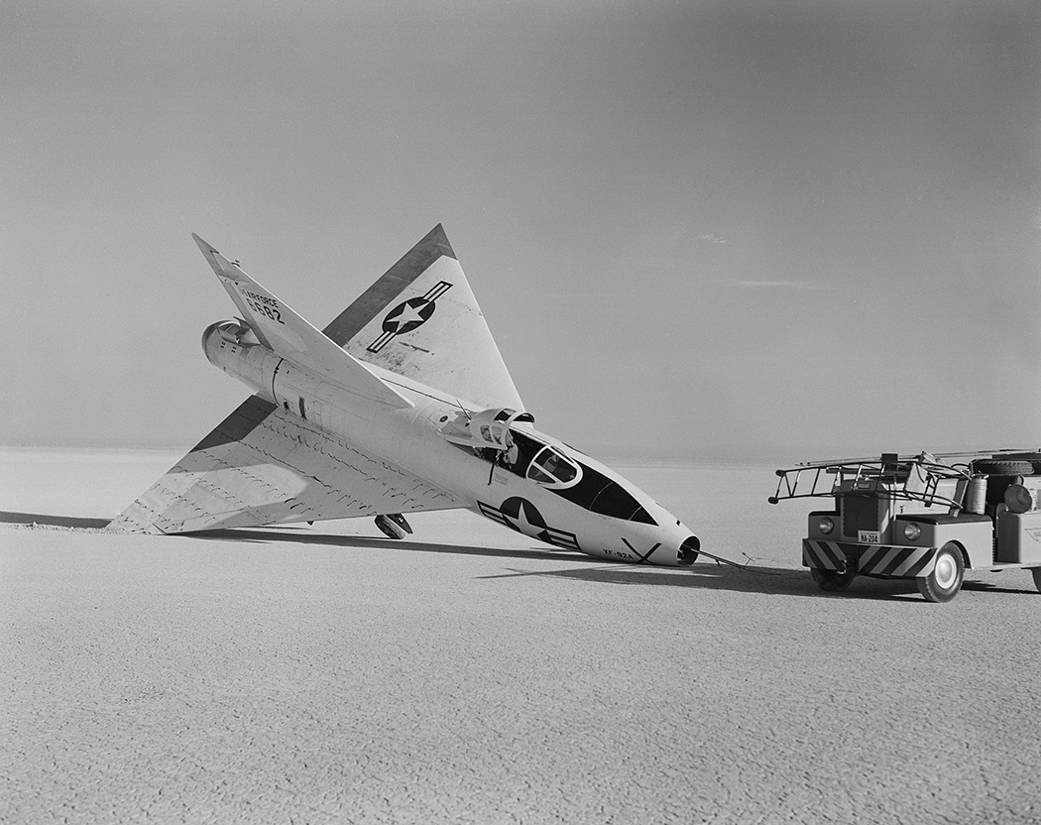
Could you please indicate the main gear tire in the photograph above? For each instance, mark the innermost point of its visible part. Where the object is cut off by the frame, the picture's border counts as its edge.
(944, 581)
(831, 581)
(390, 527)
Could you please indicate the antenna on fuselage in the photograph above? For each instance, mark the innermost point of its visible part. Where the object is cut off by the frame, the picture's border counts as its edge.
(466, 412)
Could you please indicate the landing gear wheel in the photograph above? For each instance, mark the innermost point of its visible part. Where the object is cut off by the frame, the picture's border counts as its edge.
(393, 525)
(831, 581)
(1036, 573)
(944, 582)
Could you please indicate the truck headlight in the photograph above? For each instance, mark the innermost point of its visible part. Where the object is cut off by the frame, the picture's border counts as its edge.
(826, 525)
(912, 531)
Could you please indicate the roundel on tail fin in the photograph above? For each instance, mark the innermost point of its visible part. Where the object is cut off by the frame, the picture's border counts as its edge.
(373, 301)
(408, 315)
(422, 321)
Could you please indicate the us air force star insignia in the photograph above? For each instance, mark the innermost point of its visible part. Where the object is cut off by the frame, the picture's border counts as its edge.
(521, 515)
(408, 315)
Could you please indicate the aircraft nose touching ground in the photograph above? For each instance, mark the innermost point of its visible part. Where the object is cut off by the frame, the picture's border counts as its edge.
(689, 550)
(402, 404)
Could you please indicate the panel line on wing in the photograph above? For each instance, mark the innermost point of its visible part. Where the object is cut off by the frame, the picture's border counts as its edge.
(283, 470)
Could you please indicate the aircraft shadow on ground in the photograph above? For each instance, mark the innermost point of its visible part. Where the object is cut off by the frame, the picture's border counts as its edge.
(703, 575)
(365, 542)
(746, 579)
(50, 520)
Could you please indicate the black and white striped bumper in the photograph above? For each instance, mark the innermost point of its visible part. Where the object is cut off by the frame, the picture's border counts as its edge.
(869, 559)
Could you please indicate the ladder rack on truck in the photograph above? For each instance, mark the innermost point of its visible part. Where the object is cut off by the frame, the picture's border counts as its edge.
(917, 517)
(911, 479)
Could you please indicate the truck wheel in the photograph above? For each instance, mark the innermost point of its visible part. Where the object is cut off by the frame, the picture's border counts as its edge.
(991, 467)
(944, 582)
(1036, 573)
(831, 581)
(1033, 458)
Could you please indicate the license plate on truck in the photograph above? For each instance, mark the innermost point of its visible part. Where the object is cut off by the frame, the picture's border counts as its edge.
(869, 537)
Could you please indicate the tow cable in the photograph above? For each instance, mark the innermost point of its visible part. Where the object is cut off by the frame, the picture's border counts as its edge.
(745, 566)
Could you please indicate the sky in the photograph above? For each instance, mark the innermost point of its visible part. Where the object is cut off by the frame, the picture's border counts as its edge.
(706, 230)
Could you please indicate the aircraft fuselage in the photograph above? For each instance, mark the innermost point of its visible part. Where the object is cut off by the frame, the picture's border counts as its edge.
(595, 511)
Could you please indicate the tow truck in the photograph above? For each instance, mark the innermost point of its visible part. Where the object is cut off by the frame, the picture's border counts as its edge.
(919, 517)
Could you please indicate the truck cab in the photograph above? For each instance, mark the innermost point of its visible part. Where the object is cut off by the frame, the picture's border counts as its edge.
(919, 517)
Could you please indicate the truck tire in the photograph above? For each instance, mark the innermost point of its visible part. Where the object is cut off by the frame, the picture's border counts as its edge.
(944, 582)
(831, 581)
(1036, 573)
(1033, 458)
(993, 467)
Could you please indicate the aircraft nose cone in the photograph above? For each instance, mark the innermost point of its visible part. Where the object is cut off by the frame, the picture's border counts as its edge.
(689, 551)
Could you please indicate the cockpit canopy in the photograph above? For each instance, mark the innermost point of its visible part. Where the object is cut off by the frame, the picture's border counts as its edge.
(551, 465)
(486, 429)
(552, 468)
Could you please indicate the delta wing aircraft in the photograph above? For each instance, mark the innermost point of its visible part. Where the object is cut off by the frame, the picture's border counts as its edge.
(402, 404)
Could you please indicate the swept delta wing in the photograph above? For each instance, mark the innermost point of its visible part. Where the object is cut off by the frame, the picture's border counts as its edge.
(267, 464)
(403, 404)
(264, 465)
(421, 320)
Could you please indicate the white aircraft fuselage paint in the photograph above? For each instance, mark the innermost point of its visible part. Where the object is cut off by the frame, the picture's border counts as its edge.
(412, 439)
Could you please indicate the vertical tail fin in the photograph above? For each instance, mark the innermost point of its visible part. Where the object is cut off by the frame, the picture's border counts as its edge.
(286, 333)
(421, 320)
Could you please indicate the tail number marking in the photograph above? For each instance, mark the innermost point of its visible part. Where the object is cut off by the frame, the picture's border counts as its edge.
(262, 305)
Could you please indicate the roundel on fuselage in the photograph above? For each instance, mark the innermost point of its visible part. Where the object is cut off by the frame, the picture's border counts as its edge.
(521, 513)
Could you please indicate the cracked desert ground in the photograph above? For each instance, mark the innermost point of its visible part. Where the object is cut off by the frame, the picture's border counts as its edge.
(327, 675)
